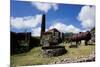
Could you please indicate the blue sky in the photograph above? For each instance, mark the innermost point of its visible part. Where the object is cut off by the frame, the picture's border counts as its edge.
(64, 14)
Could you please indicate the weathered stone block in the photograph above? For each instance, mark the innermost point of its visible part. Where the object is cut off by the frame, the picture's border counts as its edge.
(53, 51)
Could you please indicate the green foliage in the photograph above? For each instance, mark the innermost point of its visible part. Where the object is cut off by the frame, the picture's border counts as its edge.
(34, 42)
(93, 30)
(68, 34)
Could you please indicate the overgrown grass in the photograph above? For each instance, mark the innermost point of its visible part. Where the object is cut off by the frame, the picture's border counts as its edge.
(34, 56)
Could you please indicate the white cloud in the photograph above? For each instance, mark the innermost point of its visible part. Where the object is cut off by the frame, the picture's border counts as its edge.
(60, 26)
(25, 22)
(65, 28)
(36, 31)
(87, 17)
(45, 7)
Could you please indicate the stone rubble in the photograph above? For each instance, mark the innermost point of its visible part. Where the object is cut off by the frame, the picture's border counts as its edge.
(79, 59)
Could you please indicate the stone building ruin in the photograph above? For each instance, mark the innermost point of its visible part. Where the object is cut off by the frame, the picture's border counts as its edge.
(50, 41)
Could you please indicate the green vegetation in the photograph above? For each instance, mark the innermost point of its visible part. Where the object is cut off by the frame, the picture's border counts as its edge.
(68, 34)
(34, 56)
(93, 29)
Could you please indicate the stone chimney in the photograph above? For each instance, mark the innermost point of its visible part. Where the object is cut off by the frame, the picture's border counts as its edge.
(43, 25)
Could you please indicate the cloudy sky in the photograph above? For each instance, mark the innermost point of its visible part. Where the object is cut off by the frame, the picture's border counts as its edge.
(26, 16)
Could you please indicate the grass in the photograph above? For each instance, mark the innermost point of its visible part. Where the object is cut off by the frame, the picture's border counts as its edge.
(34, 56)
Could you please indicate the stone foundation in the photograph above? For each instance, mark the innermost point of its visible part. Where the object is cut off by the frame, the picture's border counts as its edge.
(53, 51)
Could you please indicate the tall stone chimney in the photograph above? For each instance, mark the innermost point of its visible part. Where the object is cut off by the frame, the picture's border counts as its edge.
(43, 25)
